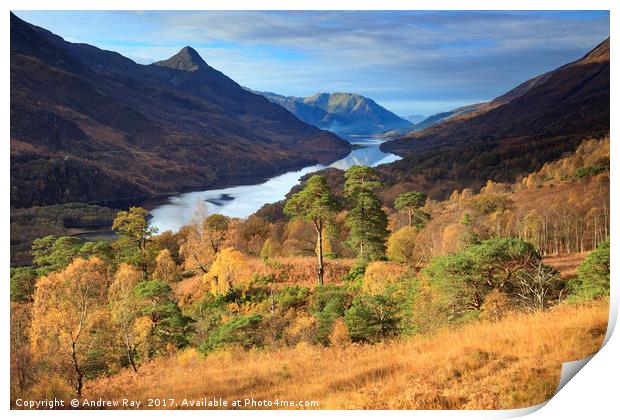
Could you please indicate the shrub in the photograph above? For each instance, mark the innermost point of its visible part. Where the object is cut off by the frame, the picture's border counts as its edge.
(327, 304)
(593, 274)
(239, 330)
(53, 387)
(302, 329)
(356, 272)
(292, 297)
(372, 318)
(590, 171)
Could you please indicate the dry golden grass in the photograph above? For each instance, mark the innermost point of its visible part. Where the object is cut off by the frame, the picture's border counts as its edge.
(512, 363)
(566, 264)
(301, 271)
(286, 271)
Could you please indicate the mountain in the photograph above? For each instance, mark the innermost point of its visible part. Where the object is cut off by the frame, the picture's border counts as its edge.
(414, 118)
(341, 113)
(90, 125)
(467, 110)
(514, 134)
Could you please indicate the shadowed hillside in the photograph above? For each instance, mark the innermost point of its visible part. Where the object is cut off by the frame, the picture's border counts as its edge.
(91, 125)
(513, 135)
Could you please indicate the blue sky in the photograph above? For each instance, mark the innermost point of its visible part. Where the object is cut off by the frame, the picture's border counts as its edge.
(412, 62)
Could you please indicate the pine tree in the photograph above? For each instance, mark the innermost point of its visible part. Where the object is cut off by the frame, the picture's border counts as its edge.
(411, 202)
(366, 219)
(316, 204)
(133, 228)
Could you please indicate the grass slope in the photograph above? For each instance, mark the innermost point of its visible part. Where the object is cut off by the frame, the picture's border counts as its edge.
(513, 363)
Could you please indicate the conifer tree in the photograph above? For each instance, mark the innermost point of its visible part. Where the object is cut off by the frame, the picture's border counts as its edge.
(411, 202)
(316, 204)
(366, 219)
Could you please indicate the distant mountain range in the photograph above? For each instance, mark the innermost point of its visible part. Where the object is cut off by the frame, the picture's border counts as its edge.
(346, 114)
(91, 125)
(415, 118)
(512, 135)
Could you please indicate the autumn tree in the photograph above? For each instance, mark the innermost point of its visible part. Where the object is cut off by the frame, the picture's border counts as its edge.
(229, 271)
(402, 246)
(366, 219)
(216, 229)
(166, 269)
(125, 310)
(491, 203)
(70, 316)
(270, 249)
(412, 202)
(204, 238)
(23, 372)
(339, 336)
(314, 203)
(134, 228)
(299, 238)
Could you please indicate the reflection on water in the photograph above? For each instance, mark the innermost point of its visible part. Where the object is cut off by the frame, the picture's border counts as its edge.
(369, 155)
(244, 200)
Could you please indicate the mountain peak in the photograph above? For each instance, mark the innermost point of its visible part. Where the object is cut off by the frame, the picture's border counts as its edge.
(186, 59)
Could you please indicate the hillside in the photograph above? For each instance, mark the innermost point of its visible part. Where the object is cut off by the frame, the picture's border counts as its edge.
(341, 113)
(513, 363)
(90, 125)
(513, 135)
(469, 307)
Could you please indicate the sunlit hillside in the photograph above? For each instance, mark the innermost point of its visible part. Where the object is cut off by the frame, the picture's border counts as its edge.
(513, 363)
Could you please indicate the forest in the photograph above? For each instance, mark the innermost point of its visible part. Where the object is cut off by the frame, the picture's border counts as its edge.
(340, 273)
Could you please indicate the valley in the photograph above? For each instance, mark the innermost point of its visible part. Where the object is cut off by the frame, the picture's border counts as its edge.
(177, 235)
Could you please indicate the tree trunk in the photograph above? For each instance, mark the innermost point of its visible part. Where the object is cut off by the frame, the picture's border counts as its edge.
(320, 255)
(132, 362)
(78, 371)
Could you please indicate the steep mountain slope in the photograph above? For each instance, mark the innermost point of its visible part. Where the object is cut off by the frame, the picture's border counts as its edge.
(91, 125)
(515, 134)
(463, 111)
(342, 113)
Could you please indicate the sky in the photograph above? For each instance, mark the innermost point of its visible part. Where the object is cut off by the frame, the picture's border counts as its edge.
(411, 62)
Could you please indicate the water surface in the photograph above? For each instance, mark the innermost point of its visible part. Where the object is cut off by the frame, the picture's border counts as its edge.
(243, 200)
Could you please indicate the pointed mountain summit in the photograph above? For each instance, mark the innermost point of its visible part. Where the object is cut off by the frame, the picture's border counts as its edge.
(187, 59)
(107, 128)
